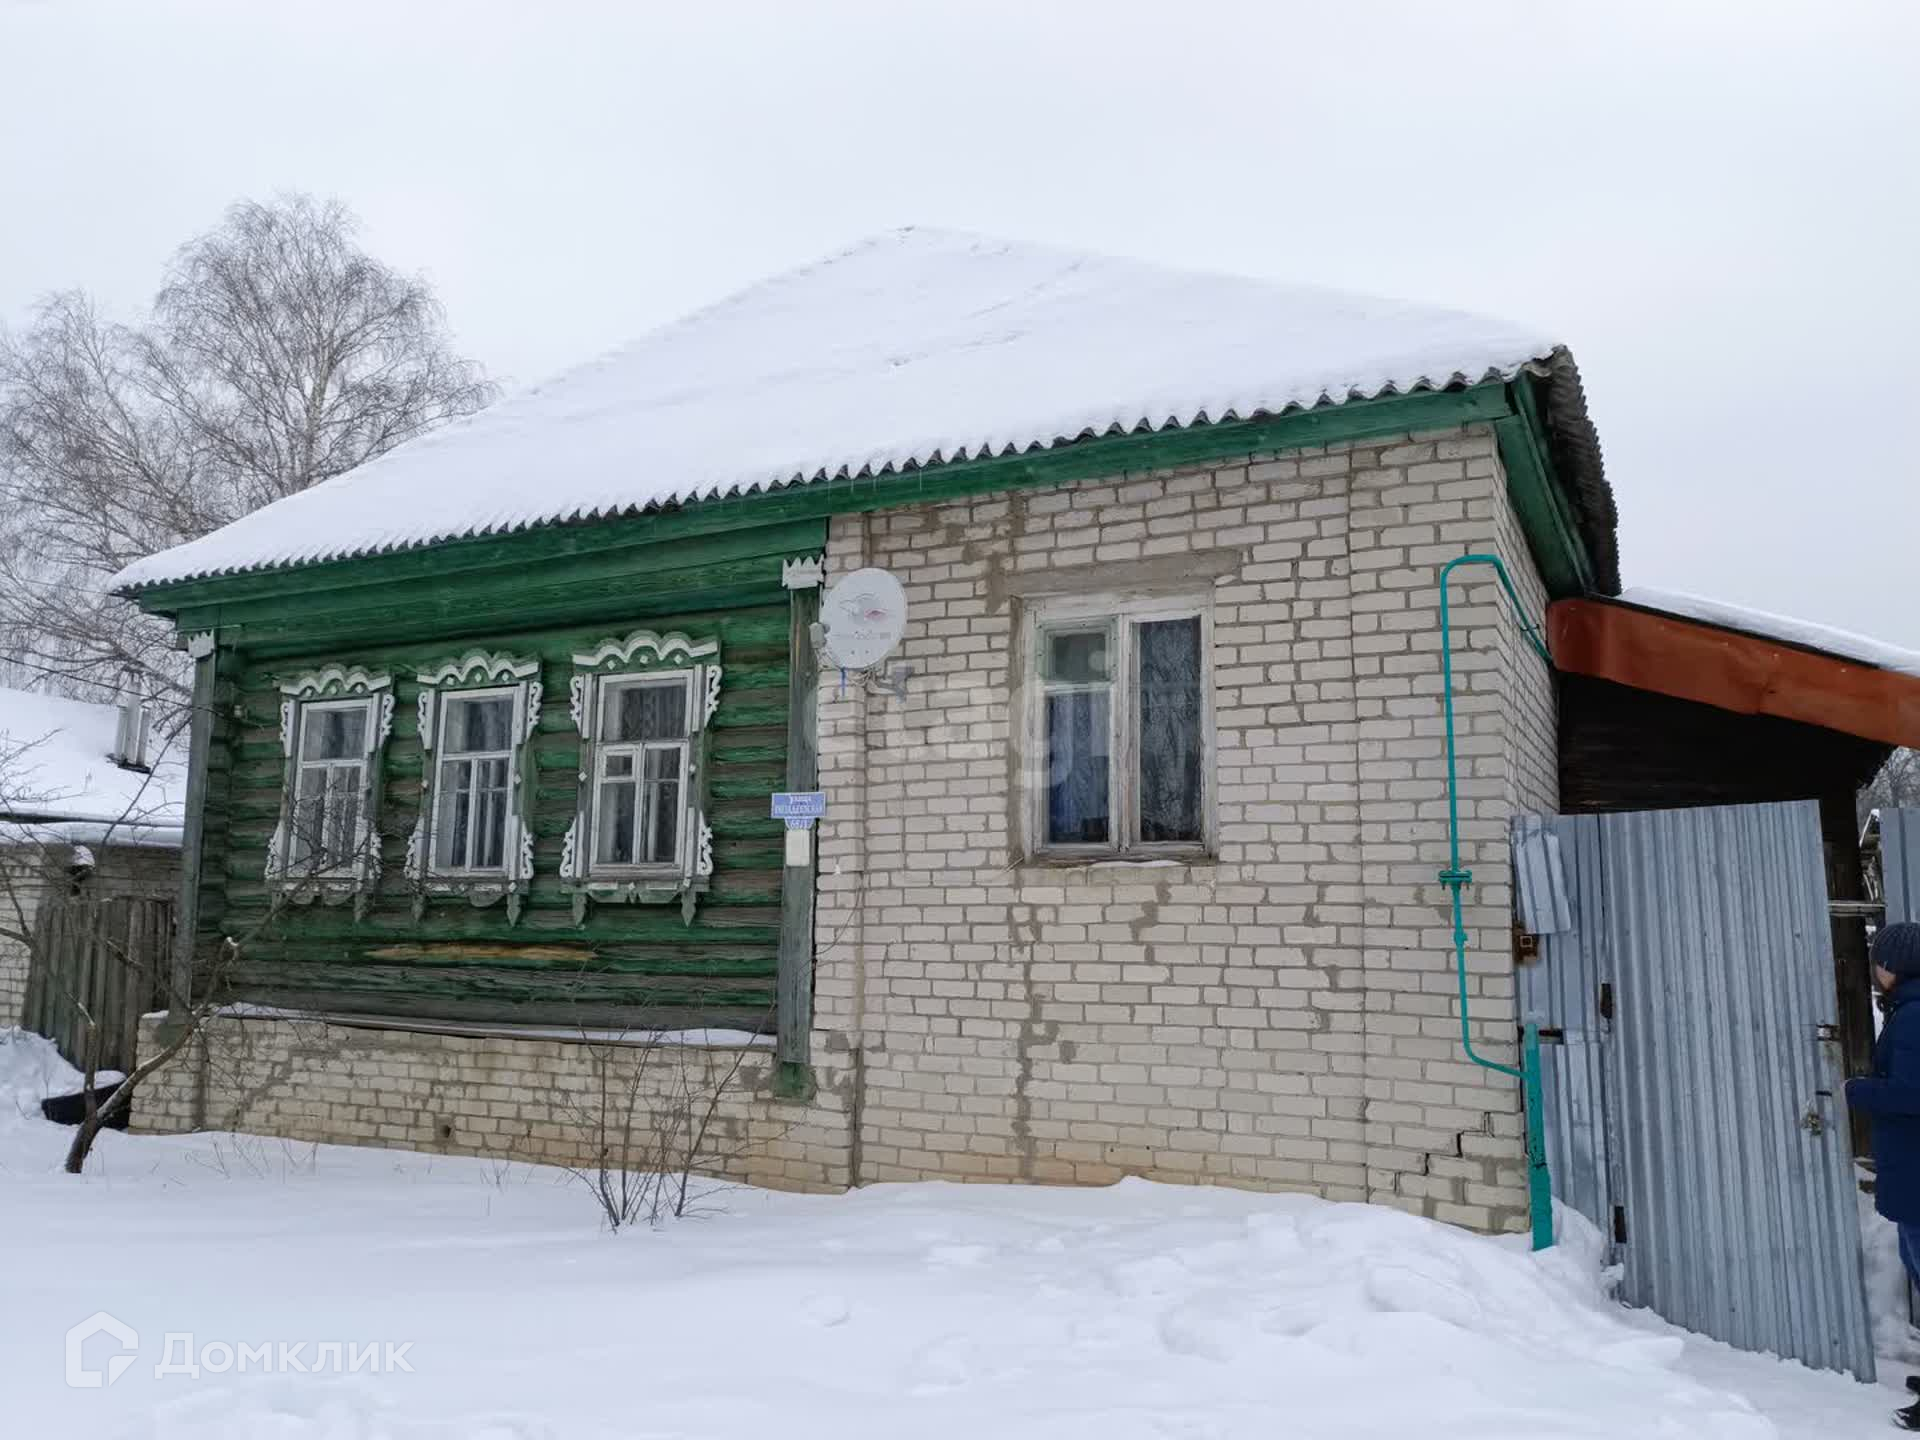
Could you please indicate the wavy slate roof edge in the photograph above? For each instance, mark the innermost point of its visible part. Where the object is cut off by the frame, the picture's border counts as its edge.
(1574, 442)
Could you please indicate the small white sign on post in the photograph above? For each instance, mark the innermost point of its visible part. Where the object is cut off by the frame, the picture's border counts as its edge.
(799, 808)
(800, 846)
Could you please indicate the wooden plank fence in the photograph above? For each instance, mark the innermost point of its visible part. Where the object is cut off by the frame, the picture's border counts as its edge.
(103, 958)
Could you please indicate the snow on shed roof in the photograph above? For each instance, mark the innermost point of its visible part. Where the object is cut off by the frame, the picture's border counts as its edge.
(58, 781)
(1805, 634)
(912, 347)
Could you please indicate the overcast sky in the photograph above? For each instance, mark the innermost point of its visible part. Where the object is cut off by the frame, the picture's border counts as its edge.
(1716, 205)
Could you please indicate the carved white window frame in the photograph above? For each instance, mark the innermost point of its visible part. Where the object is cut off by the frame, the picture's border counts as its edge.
(641, 656)
(477, 673)
(332, 687)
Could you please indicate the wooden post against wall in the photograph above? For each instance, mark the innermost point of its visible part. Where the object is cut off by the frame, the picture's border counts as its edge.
(193, 831)
(794, 985)
(1853, 979)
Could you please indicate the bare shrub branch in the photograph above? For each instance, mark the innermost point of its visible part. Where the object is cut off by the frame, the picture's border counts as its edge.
(651, 1118)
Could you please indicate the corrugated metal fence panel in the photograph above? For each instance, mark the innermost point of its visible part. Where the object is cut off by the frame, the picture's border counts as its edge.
(1741, 1219)
(1560, 991)
(1686, 1109)
(1900, 863)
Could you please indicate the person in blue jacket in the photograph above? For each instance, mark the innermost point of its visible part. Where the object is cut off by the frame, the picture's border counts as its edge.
(1891, 1096)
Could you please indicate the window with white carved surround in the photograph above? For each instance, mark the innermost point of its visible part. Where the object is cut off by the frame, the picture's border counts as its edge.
(642, 704)
(474, 835)
(334, 724)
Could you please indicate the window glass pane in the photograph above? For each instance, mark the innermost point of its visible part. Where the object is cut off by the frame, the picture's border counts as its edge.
(637, 813)
(1077, 791)
(333, 734)
(1077, 657)
(659, 841)
(452, 806)
(313, 784)
(308, 802)
(644, 712)
(1170, 741)
(343, 813)
(663, 823)
(490, 815)
(326, 811)
(478, 724)
(613, 822)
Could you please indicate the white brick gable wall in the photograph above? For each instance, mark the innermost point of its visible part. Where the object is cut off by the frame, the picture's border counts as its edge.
(1282, 1015)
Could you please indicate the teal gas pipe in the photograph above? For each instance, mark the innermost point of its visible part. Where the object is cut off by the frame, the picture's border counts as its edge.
(1539, 1187)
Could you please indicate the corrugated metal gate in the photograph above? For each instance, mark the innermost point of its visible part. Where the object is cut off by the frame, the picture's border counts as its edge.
(1694, 1102)
(1900, 864)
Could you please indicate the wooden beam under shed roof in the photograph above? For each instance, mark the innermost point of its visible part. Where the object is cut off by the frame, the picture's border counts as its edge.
(1733, 669)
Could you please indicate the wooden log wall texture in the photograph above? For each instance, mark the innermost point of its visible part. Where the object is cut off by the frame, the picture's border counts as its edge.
(626, 964)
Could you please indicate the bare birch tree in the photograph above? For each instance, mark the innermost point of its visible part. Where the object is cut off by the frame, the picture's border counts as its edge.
(278, 354)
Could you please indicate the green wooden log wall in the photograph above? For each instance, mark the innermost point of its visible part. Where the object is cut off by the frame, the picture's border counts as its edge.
(626, 964)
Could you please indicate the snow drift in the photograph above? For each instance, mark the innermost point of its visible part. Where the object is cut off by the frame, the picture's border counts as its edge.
(1143, 1312)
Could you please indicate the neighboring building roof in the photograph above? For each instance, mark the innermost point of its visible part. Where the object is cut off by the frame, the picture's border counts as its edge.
(58, 781)
(1803, 633)
(913, 348)
(1745, 661)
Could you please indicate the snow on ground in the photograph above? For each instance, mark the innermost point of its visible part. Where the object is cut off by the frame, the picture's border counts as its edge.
(1147, 1311)
(1886, 1277)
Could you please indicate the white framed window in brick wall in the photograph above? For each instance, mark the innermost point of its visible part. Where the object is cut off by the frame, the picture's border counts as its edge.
(1117, 728)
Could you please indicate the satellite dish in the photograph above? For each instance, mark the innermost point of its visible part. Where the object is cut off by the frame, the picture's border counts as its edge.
(864, 615)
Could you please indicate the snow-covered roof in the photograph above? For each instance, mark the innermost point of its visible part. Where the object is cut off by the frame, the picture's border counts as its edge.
(58, 781)
(1805, 634)
(910, 348)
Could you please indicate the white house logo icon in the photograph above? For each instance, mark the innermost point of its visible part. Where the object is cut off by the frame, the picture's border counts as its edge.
(80, 1375)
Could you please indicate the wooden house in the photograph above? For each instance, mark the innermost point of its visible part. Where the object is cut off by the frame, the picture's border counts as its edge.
(1130, 851)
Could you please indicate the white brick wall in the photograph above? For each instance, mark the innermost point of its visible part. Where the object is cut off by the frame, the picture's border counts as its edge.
(1283, 1014)
(20, 889)
(540, 1101)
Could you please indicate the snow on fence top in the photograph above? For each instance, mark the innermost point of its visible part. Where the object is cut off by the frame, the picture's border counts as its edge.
(912, 347)
(1803, 633)
(58, 780)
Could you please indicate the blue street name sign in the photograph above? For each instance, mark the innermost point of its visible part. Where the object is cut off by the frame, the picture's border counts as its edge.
(804, 805)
